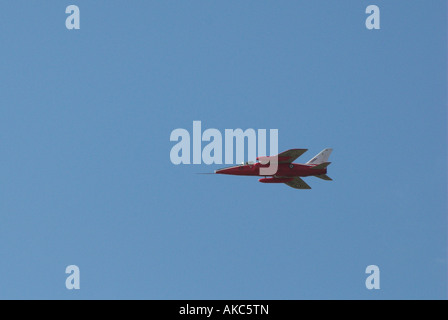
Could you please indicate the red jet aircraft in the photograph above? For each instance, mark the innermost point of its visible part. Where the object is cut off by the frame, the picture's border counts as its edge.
(287, 171)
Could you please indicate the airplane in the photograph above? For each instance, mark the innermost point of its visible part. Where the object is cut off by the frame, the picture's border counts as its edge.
(287, 172)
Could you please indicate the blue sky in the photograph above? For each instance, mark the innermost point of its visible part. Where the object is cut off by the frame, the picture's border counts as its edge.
(86, 177)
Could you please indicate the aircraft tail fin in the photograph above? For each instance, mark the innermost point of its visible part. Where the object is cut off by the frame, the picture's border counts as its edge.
(321, 157)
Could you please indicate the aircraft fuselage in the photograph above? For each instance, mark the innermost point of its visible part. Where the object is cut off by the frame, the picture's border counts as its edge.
(284, 170)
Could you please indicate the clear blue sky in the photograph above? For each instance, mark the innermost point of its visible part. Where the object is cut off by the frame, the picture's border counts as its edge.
(86, 177)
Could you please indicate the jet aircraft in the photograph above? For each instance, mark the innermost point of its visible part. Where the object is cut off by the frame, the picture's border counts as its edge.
(287, 172)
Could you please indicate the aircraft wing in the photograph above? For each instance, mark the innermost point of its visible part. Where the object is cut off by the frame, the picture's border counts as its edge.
(298, 183)
(286, 157)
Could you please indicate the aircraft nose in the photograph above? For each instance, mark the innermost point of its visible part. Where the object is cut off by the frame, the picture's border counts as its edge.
(225, 170)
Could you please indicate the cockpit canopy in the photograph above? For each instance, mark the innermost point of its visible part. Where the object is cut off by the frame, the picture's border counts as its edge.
(247, 163)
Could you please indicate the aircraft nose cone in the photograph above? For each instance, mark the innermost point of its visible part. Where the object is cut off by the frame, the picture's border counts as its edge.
(220, 171)
(225, 171)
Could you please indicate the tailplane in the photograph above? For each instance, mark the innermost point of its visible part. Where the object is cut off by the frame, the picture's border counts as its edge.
(324, 177)
(323, 165)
